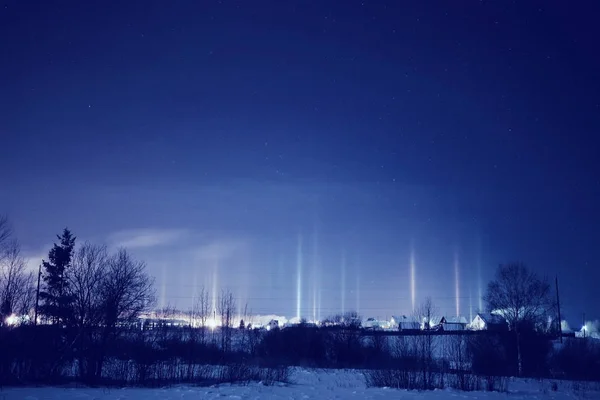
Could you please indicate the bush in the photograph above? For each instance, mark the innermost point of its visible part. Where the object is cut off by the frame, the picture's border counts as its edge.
(393, 378)
(243, 374)
(298, 346)
(170, 355)
(495, 383)
(272, 375)
(489, 356)
(578, 359)
(34, 354)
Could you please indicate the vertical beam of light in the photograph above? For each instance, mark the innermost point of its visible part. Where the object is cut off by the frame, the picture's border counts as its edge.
(315, 285)
(315, 272)
(314, 300)
(163, 288)
(273, 275)
(343, 281)
(456, 283)
(479, 288)
(413, 278)
(299, 277)
(281, 267)
(319, 316)
(194, 288)
(358, 286)
(470, 305)
(242, 292)
(215, 286)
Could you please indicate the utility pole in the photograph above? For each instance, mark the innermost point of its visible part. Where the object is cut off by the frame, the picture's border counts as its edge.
(558, 306)
(37, 296)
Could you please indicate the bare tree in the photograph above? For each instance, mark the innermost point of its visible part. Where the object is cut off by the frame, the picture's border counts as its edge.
(347, 320)
(86, 276)
(201, 311)
(16, 284)
(6, 231)
(226, 307)
(85, 279)
(242, 326)
(406, 350)
(521, 297)
(457, 354)
(127, 291)
(427, 313)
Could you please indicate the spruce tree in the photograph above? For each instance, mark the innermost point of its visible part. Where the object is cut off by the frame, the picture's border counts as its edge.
(55, 294)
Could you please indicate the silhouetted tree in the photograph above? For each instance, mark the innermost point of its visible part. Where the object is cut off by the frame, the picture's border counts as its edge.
(348, 320)
(55, 296)
(85, 280)
(16, 284)
(521, 297)
(226, 308)
(427, 313)
(126, 291)
(201, 312)
(5, 230)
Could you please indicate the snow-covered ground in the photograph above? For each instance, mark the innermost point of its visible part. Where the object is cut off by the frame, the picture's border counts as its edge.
(308, 384)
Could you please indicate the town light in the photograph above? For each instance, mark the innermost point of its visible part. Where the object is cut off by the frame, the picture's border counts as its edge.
(11, 320)
(212, 323)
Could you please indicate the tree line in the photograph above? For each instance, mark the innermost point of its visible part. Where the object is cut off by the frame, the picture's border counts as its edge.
(85, 300)
(84, 324)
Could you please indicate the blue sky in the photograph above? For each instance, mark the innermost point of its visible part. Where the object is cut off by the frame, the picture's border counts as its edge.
(209, 136)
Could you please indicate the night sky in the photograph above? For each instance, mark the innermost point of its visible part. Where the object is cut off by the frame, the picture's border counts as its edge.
(229, 143)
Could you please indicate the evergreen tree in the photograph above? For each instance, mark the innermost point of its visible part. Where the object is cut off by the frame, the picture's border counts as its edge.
(55, 294)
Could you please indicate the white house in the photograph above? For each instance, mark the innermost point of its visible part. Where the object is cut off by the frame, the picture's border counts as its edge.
(372, 323)
(273, 324)
(405, 323)
(485, 321)
(454, 323)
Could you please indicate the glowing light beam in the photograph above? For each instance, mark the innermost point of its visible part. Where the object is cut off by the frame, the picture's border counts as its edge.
(299, 277)
(413, 278)
(343, 282)
(215, 285)
(479, 289)
(358, 287)
(457, 283)
(163, 287)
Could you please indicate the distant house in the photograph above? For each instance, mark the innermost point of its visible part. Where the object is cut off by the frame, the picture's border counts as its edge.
(486, 321)
(150, 323)
(454, 323)
(435, 323)
(404, 323)
(372, 323)
(273, 324)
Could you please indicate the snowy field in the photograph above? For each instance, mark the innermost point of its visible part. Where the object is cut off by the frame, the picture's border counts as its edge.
(308, 384)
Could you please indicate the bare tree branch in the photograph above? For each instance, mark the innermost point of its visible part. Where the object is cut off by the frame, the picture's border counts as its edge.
(16, 284)
(201, 312)
(428, 315)
(90, 265)
(225, 308)
(127, 289)
(6, 231)
(519, 295)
